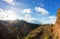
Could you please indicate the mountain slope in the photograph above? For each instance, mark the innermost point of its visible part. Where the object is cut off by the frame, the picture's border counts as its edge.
(42, 32)
(15, 29)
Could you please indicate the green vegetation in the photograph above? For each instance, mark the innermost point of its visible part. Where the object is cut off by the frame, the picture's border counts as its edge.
(27, 31)
(42, 32)
(57, 37)
(46, 36)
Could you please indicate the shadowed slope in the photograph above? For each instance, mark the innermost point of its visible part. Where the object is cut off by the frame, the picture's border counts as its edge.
(42, 32)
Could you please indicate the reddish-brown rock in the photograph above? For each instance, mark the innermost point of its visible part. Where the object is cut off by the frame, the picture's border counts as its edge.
(56, 27)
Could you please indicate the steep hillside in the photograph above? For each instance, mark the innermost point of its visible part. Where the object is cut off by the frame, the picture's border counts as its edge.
(16, 29)
(20, 29)
(56, 27)
(42, 32)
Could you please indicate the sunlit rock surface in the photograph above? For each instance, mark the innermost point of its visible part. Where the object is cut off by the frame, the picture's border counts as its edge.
(56, 27)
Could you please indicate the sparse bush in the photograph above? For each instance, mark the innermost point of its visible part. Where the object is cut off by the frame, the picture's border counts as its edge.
(57, 37)
(46, 36)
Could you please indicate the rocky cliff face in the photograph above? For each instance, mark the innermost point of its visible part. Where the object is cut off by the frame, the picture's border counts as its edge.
(56, 27)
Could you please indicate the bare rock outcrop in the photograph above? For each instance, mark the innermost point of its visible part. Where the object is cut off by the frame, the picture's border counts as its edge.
(56, 27)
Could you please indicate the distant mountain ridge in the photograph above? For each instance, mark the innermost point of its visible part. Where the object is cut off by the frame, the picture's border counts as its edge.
(16, 28)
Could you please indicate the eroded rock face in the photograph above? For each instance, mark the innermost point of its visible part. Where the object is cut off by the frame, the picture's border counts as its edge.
(56, 28)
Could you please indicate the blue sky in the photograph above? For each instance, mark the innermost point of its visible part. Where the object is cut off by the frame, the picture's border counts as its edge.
(33, 11)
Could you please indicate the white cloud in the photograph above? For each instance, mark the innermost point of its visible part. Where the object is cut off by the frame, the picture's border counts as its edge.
(48, 20)
(52, 17)
(42, 20)
(28, 18)
(26, 10)
(7, 15)
(10, 2)
(1, 10)
(41, 10)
